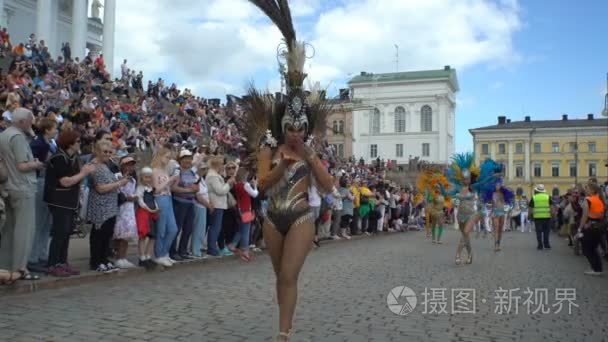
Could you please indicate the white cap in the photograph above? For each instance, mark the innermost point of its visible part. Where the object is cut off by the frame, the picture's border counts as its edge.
(184, 153)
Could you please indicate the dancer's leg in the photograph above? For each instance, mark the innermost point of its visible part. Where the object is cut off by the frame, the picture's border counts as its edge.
(297, 245)
(439, 233)
(461, 242)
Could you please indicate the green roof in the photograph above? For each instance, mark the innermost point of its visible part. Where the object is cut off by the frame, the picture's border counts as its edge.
(446, 73)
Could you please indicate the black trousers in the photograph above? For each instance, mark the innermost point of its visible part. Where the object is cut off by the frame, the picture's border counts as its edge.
(184, 217)
(230, 223)
(354, 229)
(590, 241)
(63, 225)
(98, 242)
(543, 229)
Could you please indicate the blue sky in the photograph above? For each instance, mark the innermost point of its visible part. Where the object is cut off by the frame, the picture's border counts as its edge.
(513, 58)
(565, 61)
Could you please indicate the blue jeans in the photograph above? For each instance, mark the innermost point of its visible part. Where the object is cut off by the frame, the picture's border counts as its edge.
(166, 228)
(40, 246)
(184, 217)
(214, 231)
(242, 236)
(199, 230)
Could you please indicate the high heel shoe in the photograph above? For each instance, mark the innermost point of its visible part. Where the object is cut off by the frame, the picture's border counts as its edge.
(458, 260)
(469, 259)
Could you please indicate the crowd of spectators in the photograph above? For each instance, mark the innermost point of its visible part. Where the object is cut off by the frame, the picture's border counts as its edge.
(90, 155)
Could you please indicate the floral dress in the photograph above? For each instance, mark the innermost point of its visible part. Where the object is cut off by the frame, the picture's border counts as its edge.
(126, 225)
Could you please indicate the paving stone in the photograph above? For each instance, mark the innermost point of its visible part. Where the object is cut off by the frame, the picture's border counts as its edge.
(343, 291)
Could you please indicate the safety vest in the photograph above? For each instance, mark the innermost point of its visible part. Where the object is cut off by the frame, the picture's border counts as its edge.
(596, 208)
(542, 209)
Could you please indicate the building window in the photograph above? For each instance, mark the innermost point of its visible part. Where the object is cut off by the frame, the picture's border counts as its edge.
(572, 147)
(338, 126)
(426, 149)
(399, 151)
(554, 169)
(537, 170)
(572, 169)
(592, 170)
(537, 148)
(555, 147)
(519, 171)
(373, 151)
(376, 121)
(502, 149)
(592, 147)
(519, 148)
(485, 149)
(399, 119)
(426, 119)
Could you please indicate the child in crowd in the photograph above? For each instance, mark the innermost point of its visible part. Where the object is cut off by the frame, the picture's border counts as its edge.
(126, 228)
(147, 215)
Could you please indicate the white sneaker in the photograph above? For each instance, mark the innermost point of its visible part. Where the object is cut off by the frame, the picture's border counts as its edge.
(335, 237)
(347, 237)
(593, 273)
(163, 262)
(124, 263)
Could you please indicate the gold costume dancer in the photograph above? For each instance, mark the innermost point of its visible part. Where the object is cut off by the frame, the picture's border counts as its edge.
(280, 135)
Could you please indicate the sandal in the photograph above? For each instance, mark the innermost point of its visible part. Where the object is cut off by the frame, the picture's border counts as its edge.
(25, 275)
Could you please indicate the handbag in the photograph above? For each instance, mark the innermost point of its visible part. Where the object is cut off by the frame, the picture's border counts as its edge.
(247, 216)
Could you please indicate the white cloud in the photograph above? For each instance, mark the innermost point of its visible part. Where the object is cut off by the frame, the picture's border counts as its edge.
(226, 43)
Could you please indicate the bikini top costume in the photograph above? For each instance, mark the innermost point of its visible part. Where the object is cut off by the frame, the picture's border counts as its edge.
(265, 118)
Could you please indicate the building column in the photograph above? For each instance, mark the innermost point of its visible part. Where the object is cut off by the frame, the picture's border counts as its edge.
(492, 153)
(442, 109)
(45, 21)
(3, 21)
(527, 165)
(510, 160)
(79, 28)
(109, 21)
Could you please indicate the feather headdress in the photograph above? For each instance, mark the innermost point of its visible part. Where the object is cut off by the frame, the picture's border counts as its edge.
(490, 175)
(265, 117)
(432, 183)
(463, 165)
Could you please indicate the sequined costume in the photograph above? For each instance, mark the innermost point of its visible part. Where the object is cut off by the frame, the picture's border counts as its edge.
(288, 200)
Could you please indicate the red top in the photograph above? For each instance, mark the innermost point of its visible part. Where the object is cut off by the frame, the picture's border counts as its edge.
(243, 199)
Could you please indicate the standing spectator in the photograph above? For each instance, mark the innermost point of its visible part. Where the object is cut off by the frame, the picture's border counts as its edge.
(314, 200)
(42, 148)
(201, 206)
(541, 204)
(61, 193)
(126, 227)
(591, 227)
(166, 227)
(184, 193)
(347, 206)
(218, 191)
(19, 229)
(146, 216)
(337, 206)
(245, 193)
(230, 220)
(103, 207)
(66, 51)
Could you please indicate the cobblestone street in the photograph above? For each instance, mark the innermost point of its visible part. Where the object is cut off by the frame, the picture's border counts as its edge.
(344, 288)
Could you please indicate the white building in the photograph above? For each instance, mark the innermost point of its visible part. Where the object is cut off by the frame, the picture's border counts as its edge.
(405, 114)
(59, 21)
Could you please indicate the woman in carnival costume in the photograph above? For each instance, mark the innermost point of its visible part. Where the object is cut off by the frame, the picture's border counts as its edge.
(287, 165)
(492, 190)
(433, 184)
(462, 174)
